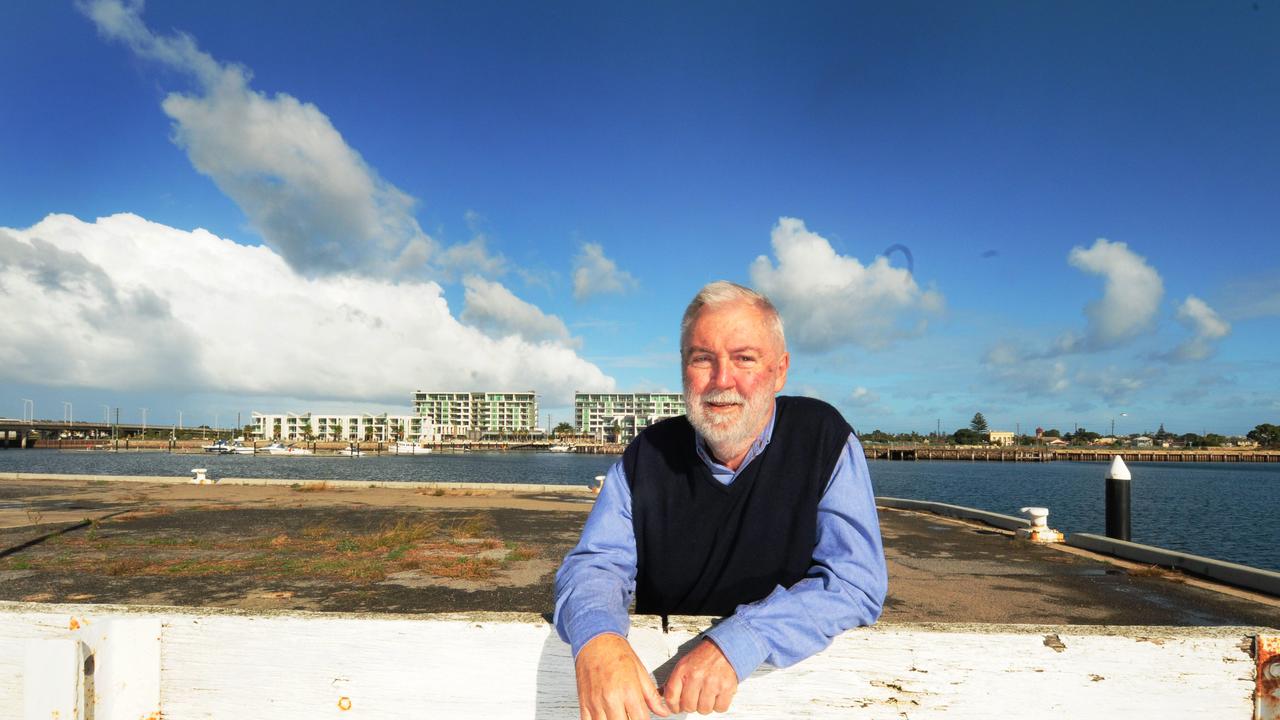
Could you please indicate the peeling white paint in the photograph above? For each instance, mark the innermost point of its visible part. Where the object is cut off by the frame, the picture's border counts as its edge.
(207, 663)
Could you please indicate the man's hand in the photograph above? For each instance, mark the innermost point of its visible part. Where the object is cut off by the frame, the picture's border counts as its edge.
(702, 681)
(613, 684)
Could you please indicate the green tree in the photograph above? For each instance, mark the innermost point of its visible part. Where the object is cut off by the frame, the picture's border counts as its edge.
(878, 436)
(968, 436)
(1214, 440)
(978, 424)
(1082, 436)
(563, 429)
(1053, 432)
(1266, 435)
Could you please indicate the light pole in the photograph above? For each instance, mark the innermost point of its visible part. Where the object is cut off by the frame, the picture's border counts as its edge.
(68, 413)
(1113, 423)
(179, 420)
(144, 422)
(28, 411)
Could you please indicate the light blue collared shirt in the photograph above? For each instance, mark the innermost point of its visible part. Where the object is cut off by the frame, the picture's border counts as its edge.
(845, 586)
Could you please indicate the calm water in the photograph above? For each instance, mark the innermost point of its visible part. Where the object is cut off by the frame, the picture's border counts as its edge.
(1225, 511)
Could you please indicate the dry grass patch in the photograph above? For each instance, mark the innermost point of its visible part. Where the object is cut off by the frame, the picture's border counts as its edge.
(521, 552)
(471, 527)
(312, 487)
(462, 549)
(1157, 571)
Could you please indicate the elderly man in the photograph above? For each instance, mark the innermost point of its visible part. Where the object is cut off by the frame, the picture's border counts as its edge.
(752, 507)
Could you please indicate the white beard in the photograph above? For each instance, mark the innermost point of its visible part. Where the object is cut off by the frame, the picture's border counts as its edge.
(728, 434)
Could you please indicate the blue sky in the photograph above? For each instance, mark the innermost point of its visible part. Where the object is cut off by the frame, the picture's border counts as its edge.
(407, 195)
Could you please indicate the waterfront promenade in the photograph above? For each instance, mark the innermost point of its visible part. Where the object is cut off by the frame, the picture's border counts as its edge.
(324, 546)
(423, 589)
(217, 579)
(1023, 453)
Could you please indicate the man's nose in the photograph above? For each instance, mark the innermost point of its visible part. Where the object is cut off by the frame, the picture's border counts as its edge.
(722, 376)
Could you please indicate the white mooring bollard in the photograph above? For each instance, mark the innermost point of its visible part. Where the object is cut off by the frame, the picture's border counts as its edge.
(1039, 531)
(201, 478)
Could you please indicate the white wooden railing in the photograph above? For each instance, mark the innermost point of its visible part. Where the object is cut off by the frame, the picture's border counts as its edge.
(72, 662)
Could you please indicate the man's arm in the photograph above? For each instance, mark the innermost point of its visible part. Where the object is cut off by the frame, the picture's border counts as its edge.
(593, 589)
(845, 587)
(598, 577)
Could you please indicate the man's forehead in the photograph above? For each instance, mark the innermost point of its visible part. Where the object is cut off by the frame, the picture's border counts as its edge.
(738, 323)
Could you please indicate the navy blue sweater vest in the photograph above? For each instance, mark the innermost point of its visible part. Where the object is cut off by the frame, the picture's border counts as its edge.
(704, 548)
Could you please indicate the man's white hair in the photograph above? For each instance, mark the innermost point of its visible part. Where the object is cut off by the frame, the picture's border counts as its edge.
(723, 292)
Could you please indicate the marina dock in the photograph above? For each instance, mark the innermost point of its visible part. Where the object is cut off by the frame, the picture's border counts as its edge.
(976, 622)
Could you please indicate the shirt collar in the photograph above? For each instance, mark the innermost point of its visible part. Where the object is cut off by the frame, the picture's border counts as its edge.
(757, 447)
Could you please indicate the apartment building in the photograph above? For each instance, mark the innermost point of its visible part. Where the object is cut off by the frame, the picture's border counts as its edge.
(365, 427)
(618, 417)
(480, 414)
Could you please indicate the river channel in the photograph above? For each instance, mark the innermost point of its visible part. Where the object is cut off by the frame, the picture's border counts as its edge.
(1227, 511)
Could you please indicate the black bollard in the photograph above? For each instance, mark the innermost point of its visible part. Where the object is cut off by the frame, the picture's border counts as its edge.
(1118, 482)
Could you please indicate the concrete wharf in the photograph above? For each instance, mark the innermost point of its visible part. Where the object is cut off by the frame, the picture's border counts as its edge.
(977, 623)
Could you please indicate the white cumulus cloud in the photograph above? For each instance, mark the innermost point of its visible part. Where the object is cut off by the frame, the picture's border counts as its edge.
(311, 196)
(1116, 385)
(131, 304)
(1206, 327)
(490, 305)
(1129, 302)
(595, 274)
(1032, 376)
(862, 397)
(828, 300)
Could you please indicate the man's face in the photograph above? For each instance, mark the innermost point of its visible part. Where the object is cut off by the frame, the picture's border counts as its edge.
(733, 366)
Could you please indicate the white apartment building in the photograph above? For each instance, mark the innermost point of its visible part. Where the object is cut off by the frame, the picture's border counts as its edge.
(1003, 438)
(365, 427)
(480, 414)
(618, 417)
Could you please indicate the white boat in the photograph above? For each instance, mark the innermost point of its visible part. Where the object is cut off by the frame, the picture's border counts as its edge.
(220, 447)
(352, 451)
(404, 447)
(560, 448)
(237, 447)
(278, 448)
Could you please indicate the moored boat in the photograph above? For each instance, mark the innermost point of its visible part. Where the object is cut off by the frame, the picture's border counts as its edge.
(219, 447)
(278, 448)
(404, 447)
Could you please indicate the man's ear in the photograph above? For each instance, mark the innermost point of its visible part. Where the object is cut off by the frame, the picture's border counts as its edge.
(784, 363)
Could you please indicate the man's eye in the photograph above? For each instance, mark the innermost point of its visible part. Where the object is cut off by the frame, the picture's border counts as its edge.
(746, 359)
(700, 360)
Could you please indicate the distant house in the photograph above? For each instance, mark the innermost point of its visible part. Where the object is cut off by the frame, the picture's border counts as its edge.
(1105, 441)
(1056, 442)
(1000, 437)
(1142, 441)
